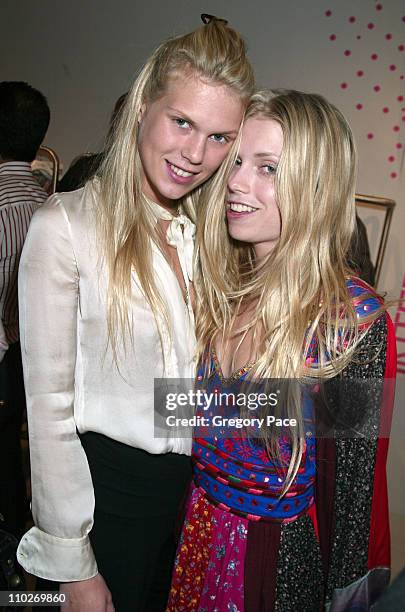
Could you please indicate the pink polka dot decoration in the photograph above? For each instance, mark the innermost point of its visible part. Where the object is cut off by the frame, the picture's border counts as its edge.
(372, 26)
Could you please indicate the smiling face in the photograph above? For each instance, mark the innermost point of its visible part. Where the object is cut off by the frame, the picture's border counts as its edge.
(252, 211)
(185, 135)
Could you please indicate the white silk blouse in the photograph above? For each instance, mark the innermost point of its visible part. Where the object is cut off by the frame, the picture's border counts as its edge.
(72, 383)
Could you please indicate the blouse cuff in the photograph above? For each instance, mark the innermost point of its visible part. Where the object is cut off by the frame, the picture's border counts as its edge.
(58, 559)
(182, 446)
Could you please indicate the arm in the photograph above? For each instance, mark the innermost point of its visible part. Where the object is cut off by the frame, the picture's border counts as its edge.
(3, 341)
(3, 284)
(58, 546)
(355, 479)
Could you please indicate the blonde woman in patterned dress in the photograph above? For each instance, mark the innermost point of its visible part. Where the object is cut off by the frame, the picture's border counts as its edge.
(298, 520)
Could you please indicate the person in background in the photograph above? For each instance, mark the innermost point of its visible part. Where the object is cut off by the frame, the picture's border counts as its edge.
(83, 168)
(24, 120)
(107, 307)
(292, 513)
(358, 256)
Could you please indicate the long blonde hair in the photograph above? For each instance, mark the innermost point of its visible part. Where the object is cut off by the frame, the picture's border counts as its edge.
(214, 52)
(299, 291)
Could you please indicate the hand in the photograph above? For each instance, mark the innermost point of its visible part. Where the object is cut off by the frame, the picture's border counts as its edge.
(85, 595)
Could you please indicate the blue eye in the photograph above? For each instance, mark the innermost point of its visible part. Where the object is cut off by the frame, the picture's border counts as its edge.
(220, 138)
(182, 123)
(269, 169)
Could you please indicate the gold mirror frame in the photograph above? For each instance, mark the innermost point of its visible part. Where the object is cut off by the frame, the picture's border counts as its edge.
(50, 154)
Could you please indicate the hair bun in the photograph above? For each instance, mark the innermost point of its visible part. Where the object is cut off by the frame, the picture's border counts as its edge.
(206, 19)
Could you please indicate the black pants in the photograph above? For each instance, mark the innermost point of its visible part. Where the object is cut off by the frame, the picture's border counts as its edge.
(12, 407)
(138, 499)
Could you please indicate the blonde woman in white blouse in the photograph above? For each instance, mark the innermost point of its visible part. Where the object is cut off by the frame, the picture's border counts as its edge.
(106, 306)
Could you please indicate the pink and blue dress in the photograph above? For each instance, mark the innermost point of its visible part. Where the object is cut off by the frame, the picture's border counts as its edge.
(326, 541)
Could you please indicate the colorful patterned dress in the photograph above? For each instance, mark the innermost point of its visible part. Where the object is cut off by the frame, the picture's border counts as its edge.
(326, 542)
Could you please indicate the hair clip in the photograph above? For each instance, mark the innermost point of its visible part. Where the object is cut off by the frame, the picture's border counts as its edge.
(206, 19)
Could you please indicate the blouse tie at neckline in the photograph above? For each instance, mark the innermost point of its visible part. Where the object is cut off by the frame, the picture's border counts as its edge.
(180, 234)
